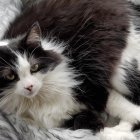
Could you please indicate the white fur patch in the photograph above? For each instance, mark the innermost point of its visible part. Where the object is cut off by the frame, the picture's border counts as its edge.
(112, 134)
(57, 102)
(131, 52)
(26, 78)
(53, 45)
(120, 132)
(118, 106)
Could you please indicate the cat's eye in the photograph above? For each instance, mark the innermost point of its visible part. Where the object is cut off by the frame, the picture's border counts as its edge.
(10, 77)
(34, 68)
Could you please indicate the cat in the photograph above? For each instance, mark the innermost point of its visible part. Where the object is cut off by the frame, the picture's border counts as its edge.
(60, 66)
(12, 128)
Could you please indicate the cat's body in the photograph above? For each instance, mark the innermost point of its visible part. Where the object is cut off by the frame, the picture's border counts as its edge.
(83, 41)
(81, 30)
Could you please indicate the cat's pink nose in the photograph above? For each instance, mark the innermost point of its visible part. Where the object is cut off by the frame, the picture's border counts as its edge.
(29, 88)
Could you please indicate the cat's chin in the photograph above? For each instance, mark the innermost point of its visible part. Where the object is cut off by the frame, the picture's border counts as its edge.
(30, 95)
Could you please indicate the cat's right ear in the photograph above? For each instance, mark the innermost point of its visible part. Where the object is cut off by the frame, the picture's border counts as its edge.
(33, 37)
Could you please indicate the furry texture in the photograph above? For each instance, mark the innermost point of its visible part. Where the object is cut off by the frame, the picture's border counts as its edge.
(90, 38)
(126, 77)
(50, 101)
(92, 25)
(94, 72)
(120, 39)
(125, 98)
(12, 128)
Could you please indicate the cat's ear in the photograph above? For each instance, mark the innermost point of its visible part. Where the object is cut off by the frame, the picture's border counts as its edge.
(34, 35)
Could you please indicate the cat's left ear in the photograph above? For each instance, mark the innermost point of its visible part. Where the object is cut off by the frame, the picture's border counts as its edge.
(33, 37)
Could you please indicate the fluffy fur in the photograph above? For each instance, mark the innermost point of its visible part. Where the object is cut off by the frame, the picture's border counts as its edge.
(99, 35)
(51, 99)
(93, 72)
(125, 98)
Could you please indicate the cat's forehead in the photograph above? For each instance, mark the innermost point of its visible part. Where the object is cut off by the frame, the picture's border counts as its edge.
(22, 65)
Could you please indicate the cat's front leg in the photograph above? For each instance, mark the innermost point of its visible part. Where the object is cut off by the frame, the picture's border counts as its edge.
(118, 106)
(86, 119)
(119, 132)
(129, 114)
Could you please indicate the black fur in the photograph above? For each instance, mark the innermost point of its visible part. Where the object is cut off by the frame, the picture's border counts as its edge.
(6, 60)
(85, 120)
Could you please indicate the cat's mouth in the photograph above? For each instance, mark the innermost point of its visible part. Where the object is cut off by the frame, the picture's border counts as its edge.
(30, 94)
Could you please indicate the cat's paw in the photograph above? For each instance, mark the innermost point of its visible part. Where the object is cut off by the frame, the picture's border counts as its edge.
(83, 121)
(113, 134)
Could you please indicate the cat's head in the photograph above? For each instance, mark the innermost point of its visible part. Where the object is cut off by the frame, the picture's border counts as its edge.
(24, 64)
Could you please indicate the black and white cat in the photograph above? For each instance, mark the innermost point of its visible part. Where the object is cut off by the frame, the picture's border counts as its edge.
(62, 76)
